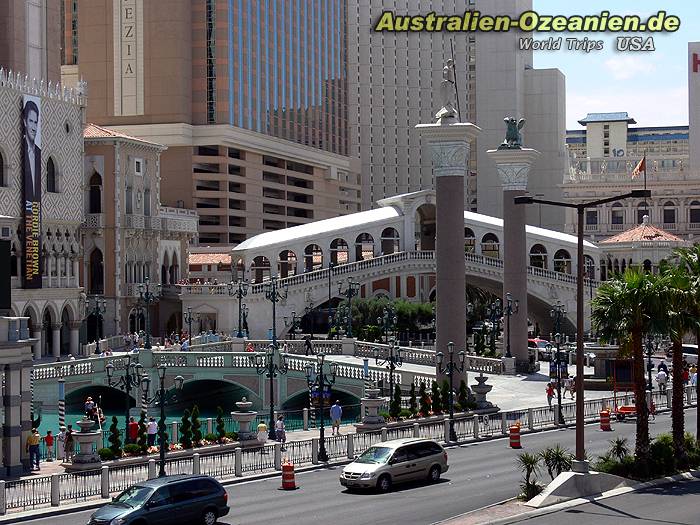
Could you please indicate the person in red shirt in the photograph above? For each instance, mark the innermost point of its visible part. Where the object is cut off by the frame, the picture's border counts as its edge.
(686, 376)
(48, 441)
(133, 430)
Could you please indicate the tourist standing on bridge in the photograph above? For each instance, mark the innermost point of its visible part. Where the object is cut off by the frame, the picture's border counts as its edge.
(70, 444)
(48, 440)
(336, 416)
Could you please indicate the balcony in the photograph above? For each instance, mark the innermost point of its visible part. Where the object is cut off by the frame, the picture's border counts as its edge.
(135, 222)
(591, 227)
(178, 219)
(152, 223)
(94, 220)
(616, 227)
(619, 169)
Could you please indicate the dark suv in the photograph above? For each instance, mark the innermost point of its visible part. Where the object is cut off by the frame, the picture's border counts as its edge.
(167, 500)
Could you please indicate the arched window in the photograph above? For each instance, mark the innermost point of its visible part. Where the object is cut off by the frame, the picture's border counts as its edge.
(129, 197)
(669, 214)
(260, 269)
(96, 273)
(589, 266)
(562, 261)
(3, 180)
(147, 202)
(617, 215)
(490, 246)
(647, 266)
(287, 263)
(694, 213)
(51, 177)
(95, 205)
(364, 247)
(469, 241)
(538, 256)
(390, 241)
(313, 258)
(340, 252)
(603, 270)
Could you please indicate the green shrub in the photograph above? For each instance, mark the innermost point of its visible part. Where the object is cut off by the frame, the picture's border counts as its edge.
(663, 457)
(412, 402)
(232, 435)
(211, 437)
(435, 394)
(132, 449)
(445, 395)
(405, 413)
(463, 396)
(142, 439)
(220, 426)
(115, 442)
(424, 400)
(395, 405)
(106, 454)
(384, 414)
(196, 426)
(186, 430)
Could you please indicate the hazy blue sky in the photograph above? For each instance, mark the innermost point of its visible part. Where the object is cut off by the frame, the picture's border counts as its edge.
(651, 86)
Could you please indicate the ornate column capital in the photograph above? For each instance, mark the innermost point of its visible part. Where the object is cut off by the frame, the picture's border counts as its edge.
(449, 146)
(513, 166)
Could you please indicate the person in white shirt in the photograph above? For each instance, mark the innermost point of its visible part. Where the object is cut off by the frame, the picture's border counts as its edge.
(661, 379)
(152, 430)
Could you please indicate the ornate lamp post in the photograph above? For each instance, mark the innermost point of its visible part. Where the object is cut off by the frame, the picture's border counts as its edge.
(470, 311)
(188, 319)
(293, 324)
(392, 361)
(449, 369)
(316, 377)
(148, 297)
(511, 307)
(387, 323)
(275, 292)
(98, 310)
(138, 311)
(494, 312)
(330, 295)
(239, 289)
(557, 312)
(351, 290)
(265, 364)
(162, 398)
(244, 313)
(130, 379)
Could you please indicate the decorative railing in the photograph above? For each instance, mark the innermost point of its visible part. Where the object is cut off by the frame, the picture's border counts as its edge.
(611, 169)
(94, 220)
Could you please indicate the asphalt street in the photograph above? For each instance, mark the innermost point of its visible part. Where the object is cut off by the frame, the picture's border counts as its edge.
(480, 474)
(669, 504)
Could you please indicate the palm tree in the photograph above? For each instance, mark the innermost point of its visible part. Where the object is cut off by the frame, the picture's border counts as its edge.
(678, 319)
(690, 259)
(624, 309)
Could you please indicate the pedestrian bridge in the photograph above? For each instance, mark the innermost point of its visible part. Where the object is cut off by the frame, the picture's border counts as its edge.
(219, 366)
(401, 264)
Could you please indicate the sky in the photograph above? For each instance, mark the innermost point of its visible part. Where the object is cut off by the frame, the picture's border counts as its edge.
(651, 86)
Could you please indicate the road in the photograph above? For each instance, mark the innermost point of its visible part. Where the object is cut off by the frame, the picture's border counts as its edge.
(480, 474)
(654, 505)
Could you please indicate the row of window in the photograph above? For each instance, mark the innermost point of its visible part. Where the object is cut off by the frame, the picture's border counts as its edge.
(669, 213)
(52, 175)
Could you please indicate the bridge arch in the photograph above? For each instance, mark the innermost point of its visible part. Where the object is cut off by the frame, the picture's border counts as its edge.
(562, 261)
(538, 256)
(469, 241)
(260, 269)
(491, 246)
(112, 400)
(340, 251)
(300, 400)
(313, 258)
(219, 392)
(286, 263)
(364, 247)
(425, 221)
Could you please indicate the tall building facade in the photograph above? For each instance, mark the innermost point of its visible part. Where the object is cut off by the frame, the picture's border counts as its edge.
(393, 83)
(249, 96)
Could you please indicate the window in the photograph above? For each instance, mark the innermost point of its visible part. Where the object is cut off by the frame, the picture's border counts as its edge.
(591, 217)
(669, 213)
(160, 497)
(562, 262)
(400, 455)
(211, 60)
(51, 177)
(642, 210)
(538, 256)
(469, 241)
(618, 214)
(695, 212)
(2, 171)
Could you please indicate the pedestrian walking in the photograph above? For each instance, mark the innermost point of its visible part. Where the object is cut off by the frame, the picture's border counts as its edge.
(567, 387)
(308, 348)
(661, 379)
(686, 376)
(280, 431)
(48, 441)
(662, 366)
(70, 444)
(133, 433)
(550, 394)
(33, 441)
(61, 443)
(152, 430)
(336, 415)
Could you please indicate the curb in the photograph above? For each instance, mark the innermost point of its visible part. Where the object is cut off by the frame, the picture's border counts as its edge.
(692, 475)
(48, 512)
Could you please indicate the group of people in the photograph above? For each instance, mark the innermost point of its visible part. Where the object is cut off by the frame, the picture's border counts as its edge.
(132, 434)
(689, 375)
(568, 385)
(64, 442)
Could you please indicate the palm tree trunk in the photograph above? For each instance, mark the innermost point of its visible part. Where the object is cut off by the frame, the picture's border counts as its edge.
(697, 391)
(677, 417)
(641, 449)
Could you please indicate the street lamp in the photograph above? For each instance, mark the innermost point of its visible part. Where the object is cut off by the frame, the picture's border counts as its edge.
(580, 210)
(316, 377)
(351, 290)
(131, 378)
(557, 312)
(240, 291)
(97, 310)
(449, 369)
(138, 312)
(494, 312)
(293, 324)
(265, 364)
(188, 319)
(387, 322)
(147, 296)
(330, 295)
(275, 293)
(162, 398)
(392, 361)
(470, 311)
(244, 314)
(511, 307)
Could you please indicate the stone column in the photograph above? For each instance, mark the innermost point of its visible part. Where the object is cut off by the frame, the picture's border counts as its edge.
(12, 428)
(448, 142)
(56, 339)
(75, 338)
(25, 404)
(37, 346)
(513, 166)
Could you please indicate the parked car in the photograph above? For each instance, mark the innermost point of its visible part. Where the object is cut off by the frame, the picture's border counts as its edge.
(170, 500)
(541, 345)
(397, 461)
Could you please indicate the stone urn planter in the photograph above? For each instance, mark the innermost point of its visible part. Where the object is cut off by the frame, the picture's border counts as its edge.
(86, 441)
(371, 421)
(480, 390)
(244, 416)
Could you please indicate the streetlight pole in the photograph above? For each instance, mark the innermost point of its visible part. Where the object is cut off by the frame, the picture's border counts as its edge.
(131, 378)
(352, 289)
(511, 307)
(392, 361)
(310, 312)
(240, 291)
(470, 311)
(244, 314)
(275, 292)
(388, 322)
(188, 319)
(265, 364)
(557, 312)
(147, 296)
(449, 369)
(580, 210)
(162, 398)
(330, 295)
(316, 377)
(99, 309)
(495, 311)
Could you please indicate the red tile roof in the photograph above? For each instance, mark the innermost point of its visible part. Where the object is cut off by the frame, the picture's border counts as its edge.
(93, 131)
(210, 258)
(643, 232)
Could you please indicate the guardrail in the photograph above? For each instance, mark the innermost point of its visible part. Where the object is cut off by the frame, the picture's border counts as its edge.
(37, 492)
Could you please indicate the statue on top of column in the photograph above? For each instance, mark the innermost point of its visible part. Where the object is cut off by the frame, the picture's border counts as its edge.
(514, 139)
(447, 92)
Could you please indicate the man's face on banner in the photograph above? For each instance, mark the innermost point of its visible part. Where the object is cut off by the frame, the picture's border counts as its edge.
(30, 124)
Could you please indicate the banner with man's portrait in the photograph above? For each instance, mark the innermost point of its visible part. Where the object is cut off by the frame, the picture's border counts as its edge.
(31, 194)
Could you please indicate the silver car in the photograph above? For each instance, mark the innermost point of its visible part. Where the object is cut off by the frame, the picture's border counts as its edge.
(398, 461)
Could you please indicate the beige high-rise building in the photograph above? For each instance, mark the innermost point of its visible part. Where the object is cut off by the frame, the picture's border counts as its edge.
(248, 96)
